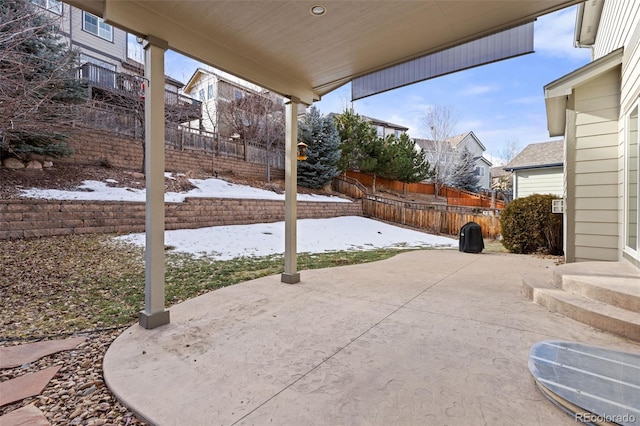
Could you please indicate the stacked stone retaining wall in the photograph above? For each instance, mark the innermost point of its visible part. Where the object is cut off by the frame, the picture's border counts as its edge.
(41, 218)
(97, 147)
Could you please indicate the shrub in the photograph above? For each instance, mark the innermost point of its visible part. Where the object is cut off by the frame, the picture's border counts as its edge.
(528, 225)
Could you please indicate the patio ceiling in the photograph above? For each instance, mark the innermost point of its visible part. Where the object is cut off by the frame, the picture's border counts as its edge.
(280, 45)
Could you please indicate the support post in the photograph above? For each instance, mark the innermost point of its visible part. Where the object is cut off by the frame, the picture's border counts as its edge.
(290, 275)
(154, 313)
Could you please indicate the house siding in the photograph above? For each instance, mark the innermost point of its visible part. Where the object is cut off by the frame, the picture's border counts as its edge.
(619, 20)
(539, 181)
(109, 51)
(595, 190)
(620, 27)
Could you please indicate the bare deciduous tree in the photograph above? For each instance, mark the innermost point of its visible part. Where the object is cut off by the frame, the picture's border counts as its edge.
(439, 123)
(258, 119)
(509, 149)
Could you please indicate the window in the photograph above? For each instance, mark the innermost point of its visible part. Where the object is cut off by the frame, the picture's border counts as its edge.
(632, 178)
(237, 94)
(54, 6)
(210, 91)
(96, 26)
(397, 133)
(380, 131)
(479, 171)
(201, 94)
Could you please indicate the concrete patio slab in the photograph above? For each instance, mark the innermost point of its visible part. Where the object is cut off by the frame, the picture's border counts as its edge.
(29, 384)
(427, 337)
(15, 356)
(29, 415)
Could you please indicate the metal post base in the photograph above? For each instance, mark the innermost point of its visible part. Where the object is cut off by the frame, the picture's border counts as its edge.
(154, 320)
(290, 278)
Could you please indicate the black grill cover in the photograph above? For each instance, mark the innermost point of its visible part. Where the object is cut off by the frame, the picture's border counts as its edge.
(471, 238)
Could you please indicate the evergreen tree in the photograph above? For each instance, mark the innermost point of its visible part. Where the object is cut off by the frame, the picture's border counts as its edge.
(407, 164)
(322, 139)
(38, 91)
(371, 152)
(355, 133)
(464, 174)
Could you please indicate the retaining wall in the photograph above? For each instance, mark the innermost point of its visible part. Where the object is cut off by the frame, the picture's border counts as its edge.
(93, 146)
(40, 218)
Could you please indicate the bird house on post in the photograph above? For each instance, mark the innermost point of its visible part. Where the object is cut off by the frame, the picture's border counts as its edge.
(302, 151)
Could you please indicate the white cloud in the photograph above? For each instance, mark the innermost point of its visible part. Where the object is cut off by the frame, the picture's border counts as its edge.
(527, 100)
(474, 90)
(554, 34)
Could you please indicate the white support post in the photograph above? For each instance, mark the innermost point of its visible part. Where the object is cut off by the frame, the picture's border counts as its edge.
(154, 314)
(290, 275)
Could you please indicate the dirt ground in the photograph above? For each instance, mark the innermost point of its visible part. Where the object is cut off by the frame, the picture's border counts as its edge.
(70, 176)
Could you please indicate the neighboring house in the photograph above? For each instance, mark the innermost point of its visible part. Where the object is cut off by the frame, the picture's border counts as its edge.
(596, 108)
(111, 61)
(538, 169)
(211, 87)
(385, 128)
(457, 143)
(500, 179)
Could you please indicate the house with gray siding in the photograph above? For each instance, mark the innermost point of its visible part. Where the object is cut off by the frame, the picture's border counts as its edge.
(456, 144)
(595, 108)
(538, 169)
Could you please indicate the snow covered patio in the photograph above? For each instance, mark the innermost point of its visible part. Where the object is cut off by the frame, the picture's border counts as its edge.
(426, 337)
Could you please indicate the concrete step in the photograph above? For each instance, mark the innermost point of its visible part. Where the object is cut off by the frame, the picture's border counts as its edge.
(592, 312)
(532, 283)
(620, 292)
(596, 269)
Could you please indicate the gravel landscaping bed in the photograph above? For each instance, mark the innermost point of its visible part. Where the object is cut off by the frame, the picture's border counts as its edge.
(77, 395)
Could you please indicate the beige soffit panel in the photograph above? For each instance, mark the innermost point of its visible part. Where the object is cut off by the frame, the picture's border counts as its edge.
(281, 46)
(557, 92)
(587, 22)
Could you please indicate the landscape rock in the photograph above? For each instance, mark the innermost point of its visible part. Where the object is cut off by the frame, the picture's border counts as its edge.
(47, 164)
(34, 164)
(12, 163)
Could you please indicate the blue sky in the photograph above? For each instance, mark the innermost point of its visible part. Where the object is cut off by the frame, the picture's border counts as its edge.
(499, 102)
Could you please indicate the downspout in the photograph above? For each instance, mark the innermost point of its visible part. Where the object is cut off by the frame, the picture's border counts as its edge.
(587, 22)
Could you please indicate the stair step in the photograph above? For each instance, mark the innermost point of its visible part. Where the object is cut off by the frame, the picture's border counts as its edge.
(596, 269)
(530, 283)
(588, 311)
(621, 292)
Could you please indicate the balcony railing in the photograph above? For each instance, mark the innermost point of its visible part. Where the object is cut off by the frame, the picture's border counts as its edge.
(132, 86)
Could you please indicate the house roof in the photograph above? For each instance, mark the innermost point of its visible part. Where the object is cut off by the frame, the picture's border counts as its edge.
(498, 171)
(556, 93)
(538, 155)
(456, 140)
(281, 46)
(220, 75)
(386, 124)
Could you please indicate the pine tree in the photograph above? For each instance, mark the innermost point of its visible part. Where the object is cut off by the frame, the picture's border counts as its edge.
(322, 139)
(356, 136)
(38, 91)
(407, 163)
(464, 174)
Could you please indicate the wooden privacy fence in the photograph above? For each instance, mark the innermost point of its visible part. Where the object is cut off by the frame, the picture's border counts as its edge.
(435, 218)
(454, 196)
